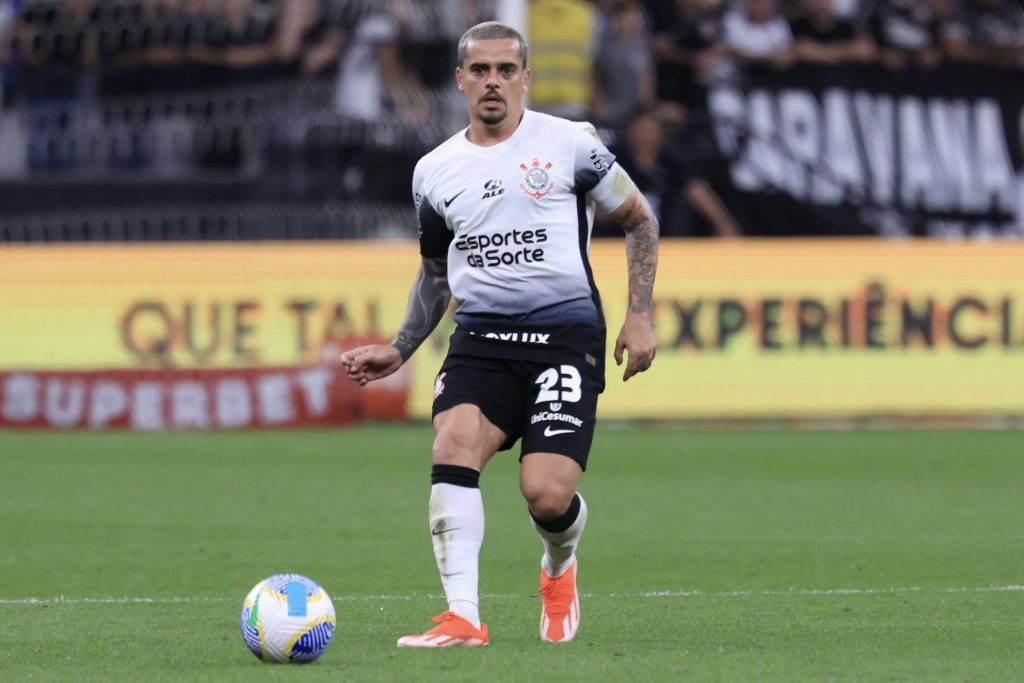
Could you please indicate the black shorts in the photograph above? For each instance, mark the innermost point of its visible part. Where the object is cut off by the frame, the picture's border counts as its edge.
(552, 406)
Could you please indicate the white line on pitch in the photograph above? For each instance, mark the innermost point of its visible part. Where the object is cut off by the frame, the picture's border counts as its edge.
(111, 600)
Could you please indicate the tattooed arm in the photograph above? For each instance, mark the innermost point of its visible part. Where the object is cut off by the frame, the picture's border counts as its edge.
(637, 336)
(428, 302)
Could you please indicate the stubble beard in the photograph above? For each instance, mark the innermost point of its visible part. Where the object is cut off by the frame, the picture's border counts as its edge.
(492, 118)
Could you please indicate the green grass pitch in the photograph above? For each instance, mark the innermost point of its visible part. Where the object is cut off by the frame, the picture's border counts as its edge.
(710, 556)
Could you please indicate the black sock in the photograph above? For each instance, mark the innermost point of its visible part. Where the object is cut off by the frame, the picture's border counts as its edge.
(455, 475)
(560, 524)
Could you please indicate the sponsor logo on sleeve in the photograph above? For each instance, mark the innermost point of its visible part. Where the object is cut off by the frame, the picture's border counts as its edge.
(599, 164)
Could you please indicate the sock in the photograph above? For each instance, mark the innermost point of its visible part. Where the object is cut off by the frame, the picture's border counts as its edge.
(457, 532)
(561, 536)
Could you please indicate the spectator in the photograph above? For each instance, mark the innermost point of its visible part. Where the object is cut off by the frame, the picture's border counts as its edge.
(59, 73)
(428, 29)
(243, 43)
(905, 32)
(561, 57)
(987, 32)
(322, 41)
(372, 79)
(823, 37)
(758, 35)
(623, 68)
(60, 50)
(297, 20)
(142, 46)
(684, 202)
(687, 51)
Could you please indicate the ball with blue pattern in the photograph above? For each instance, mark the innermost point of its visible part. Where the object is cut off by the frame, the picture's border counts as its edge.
(288, 618)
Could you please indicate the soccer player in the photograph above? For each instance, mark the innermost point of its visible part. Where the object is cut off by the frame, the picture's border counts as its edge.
(504, 211)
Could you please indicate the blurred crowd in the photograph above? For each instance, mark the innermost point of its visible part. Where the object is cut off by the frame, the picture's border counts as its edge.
(227, 84)
(99, 48)
(599, 58)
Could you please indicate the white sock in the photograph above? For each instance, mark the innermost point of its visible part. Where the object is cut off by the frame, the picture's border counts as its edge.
(560, 547)
(457, 532)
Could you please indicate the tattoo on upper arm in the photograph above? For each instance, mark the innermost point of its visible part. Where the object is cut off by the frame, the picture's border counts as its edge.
(428, 301)
(641, 227)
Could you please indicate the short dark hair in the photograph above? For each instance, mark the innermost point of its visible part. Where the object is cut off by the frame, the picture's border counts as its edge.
(491, 30)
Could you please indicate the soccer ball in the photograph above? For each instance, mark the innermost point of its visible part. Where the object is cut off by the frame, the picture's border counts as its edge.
(288, 618)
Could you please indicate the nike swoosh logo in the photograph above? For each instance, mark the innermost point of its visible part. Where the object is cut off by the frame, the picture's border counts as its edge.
(443, 531)
(448, 202)
(548, 431)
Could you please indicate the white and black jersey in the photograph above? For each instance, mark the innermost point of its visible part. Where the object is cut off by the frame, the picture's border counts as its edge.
(514, 222)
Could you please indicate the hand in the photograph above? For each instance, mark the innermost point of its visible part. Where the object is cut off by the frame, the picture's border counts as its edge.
(368, 363)
(637, 339)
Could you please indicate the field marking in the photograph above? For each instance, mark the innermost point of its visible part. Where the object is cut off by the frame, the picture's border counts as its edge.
(816, 592)
(812, 592)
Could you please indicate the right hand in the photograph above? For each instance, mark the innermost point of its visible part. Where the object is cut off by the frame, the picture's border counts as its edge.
(368, 363)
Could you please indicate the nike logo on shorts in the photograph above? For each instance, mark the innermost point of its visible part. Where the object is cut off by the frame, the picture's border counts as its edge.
(548, 431)
(448, 202)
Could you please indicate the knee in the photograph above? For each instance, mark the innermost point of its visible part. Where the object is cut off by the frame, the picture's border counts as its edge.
(453, 448)
(548, 500)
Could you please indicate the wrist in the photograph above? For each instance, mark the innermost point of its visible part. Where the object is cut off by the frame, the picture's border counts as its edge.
(403, 346)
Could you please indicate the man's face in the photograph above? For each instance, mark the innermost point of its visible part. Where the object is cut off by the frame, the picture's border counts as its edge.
(493, 79)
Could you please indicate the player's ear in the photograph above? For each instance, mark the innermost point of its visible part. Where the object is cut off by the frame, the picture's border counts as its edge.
(526, 79)
(459, 76)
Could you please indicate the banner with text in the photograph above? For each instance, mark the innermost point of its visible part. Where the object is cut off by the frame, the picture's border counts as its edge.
(196, 399)
(230, 336)
(862, 150)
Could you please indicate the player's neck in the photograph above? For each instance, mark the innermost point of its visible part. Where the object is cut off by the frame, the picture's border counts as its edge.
(481, 134)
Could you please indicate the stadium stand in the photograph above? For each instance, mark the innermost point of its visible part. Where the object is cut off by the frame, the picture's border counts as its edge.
(265, 119)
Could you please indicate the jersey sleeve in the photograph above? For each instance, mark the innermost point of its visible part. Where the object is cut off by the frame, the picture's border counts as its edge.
(596, 173)
(430, 226)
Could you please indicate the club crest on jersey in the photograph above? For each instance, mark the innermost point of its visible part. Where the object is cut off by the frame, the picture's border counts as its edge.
(537, 183)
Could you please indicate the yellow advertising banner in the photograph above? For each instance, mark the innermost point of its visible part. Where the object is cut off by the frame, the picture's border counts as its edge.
(745, 328)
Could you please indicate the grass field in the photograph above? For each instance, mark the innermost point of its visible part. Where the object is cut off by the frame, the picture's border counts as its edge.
(710, 556)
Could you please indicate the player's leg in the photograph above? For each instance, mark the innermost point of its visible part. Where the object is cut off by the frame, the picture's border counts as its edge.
(465, 440)
(556, 445)
(471, 422)
(549, 483)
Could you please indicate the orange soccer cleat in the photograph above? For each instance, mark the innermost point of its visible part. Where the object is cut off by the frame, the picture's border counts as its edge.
(451, 631)
(560, 613)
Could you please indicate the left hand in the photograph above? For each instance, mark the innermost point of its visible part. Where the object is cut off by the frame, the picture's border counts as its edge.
(637, 339)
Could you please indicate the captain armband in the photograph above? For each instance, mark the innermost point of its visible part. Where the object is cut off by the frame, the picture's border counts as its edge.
(613, 189)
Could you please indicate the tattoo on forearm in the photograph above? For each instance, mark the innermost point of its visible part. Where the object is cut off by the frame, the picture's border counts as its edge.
(428, 301)
(641, 226)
